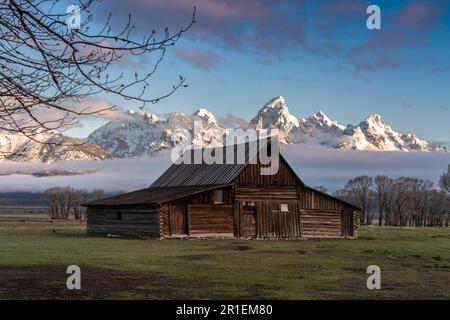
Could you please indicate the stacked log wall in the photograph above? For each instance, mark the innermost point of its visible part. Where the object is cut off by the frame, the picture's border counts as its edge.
(135, 220)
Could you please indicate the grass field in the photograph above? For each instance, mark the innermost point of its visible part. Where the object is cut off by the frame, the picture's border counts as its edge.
(415, 264)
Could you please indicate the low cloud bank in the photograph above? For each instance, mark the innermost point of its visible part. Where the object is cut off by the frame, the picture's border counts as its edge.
(316, 165)
(111, 175)
(332, 168)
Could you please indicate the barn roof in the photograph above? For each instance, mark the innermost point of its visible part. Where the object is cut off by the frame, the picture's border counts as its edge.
(154, 195)
(192, 174)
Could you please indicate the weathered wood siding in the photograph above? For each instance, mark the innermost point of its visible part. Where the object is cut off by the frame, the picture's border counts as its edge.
(311, 213)
(270, 223)
(310, 199)
(321, 223)
(164, 220)
(132, 220)
(190, 215)
(265, 192)
(322, 215)
(210, 218)
(177, 218)
(276, 224)
(251, 175)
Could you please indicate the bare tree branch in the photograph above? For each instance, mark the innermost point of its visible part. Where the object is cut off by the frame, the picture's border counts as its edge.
(46, 68)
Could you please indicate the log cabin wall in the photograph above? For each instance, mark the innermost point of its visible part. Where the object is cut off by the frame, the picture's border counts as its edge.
(197, 214)
(321, 223)
(207, 219)
(131, 220)
(326, 217)
(164, 220)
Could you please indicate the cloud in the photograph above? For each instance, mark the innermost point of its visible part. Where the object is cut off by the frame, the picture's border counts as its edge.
(343, 9)
(383, 50)
(111, 175)
(316, 165)
(102, 108)
(242, 25)
(198, 59)
(408, 27)
(90, 107)
(418, 15)
(376, 61)
(292, 28)
(233, 121)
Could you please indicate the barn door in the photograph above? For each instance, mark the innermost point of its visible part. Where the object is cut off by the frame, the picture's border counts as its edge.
(347, 223)
(178, 219)
(248, 221)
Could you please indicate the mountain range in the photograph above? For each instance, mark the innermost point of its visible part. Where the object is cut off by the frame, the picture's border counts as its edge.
(144, 133)
(48, 147)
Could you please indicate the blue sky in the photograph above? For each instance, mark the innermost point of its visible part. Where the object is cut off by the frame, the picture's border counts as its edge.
(318, 54)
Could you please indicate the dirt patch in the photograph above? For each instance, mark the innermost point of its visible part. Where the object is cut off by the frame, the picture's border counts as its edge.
(366, 238)
(49, 282)
(238, 247)
(195, 257)
(437, 258)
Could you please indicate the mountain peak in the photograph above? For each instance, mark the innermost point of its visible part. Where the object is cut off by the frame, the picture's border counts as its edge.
(205, 115)
(375, 124)
(277, 102)
(322, 116)
(143, 115)
(375, 119)
(275, 114)
(321, 119)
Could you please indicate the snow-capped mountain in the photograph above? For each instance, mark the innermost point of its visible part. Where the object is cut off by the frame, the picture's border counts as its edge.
(373, 133)
(146, 134)
(48, 147)
(275, 115)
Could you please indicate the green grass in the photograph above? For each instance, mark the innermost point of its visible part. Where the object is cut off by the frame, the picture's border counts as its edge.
(415, 264)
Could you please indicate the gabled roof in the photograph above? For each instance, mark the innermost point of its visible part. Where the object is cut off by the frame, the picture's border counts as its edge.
(188, 174)
(156, 195)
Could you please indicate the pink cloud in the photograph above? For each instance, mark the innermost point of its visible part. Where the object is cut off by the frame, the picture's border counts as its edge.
(417, 15)
(234, 24)
(292, 27)
(198, 59)
(213, 9)
(378, 61)
(344, 8)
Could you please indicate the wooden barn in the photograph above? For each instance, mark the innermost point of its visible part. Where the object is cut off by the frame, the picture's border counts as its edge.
(225, 200)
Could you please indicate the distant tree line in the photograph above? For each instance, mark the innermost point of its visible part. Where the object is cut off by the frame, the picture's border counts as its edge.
(403, 201)
(66, 201)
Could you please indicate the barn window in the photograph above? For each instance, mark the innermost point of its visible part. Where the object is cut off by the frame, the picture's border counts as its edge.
(274, 206)
(284, 207)
(119, 215)
(218, 196)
